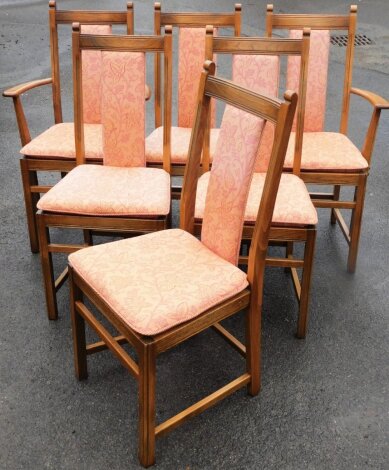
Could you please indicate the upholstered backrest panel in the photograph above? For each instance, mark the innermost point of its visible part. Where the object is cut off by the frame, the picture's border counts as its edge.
(91, 77)
(229, 183)
(259, 73)
(123, 108)
(191, 57)
(317, 78)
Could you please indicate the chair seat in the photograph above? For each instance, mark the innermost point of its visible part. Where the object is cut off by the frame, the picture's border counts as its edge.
(58, 142)
(327, 151)
(180, 139)
(110, 191)
(293, 205)
(157, 281)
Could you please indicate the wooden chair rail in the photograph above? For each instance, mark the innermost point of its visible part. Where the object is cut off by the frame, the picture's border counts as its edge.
(23, 87)
(90, 17)
(119, 43)
(262, 46)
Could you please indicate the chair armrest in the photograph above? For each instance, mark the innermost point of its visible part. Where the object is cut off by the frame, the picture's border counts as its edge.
(18, 90)
(376, 100)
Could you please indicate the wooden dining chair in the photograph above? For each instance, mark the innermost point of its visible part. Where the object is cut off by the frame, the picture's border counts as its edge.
(256, 65)
(54, 149)
(330, 158)
(160, 289)
(191, 55)
(122, 195)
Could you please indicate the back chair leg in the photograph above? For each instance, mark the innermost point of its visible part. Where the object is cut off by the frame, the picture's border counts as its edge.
(356, 223)
(253, 349)
(30, 178)
(309, 251)
(88, 237)
(336, 198)
(147, 376)
(47, 268)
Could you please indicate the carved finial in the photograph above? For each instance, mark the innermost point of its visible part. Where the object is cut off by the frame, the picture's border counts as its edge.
(76, 27)
(209, 29)
(130, 6)
(168, 29)
(238, 7)
(353, 8)
(270, 8)
(52, 4)
(210, 67)
(157, 6)
(306, 32)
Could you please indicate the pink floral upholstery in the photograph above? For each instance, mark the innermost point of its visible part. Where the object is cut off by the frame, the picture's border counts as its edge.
(157, 281)
(191, 56)
(293, 204)
(58, 142)
(123, 108)
(180, 138)
(91, 76)
(232, 170)
(327, 151)
(317, 78)
(110, 191)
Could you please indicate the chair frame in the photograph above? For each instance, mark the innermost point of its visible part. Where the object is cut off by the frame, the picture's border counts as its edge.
(148, 348)
(284, 235)
(187, 20)
(338, 179)
(118, 225)
(29, 165)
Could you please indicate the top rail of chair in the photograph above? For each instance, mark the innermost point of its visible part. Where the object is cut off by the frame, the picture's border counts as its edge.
(90, 17)
(263, 106)
(253, 45)
(122, 43)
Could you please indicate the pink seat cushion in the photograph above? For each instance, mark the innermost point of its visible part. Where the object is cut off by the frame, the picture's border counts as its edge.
(327, 151)
(110, 191)
(58, 142)
(293, 204)
(180, 138)
(157, 281)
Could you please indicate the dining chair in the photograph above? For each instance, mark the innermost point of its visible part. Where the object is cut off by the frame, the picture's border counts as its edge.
(54, 149)
(256, 66)
(330, 158)
(121, 196)
(160, 289)
(191, 55)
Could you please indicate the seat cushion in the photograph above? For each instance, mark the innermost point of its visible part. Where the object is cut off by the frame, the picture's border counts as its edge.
(58, 142)
(327, 151)
(110, 191)
(293, 204)
(157, 281)
(180, 139)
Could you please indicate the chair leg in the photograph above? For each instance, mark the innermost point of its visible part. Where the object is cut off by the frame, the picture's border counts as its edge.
(356, 223)
(253, 348)
(88, 237)
(306, 284)
(30, 178)
(147, 372)
(78, 329)
(47, 268)
(288, 252)
(336, 198)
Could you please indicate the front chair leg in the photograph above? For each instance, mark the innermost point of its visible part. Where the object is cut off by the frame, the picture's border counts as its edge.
(147, 373)
(29, 178)
(356, 223)
(47, 268)
(253, 348)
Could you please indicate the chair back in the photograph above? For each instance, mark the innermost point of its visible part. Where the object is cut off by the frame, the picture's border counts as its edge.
(321, 25)
(96, 22)
(256, 66)
(233, 166)
(191, 50)
(123, 72)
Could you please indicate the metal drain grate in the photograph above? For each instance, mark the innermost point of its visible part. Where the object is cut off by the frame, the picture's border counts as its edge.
(360, 40)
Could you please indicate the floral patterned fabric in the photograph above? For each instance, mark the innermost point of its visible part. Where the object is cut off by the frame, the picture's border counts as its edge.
(293, 204)
(91, 77)
(317, 78)
(157, 281)
(191, 57)
(123, 108)
(110, 191)
(180, 138)
(58, 142)
(327, 151)
(229, 183)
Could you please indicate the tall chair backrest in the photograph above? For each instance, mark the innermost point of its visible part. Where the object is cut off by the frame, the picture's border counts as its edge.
(122, 94)
(93, 22)
(191, 46)
(321, 25)
(256, 66)
(231, 172)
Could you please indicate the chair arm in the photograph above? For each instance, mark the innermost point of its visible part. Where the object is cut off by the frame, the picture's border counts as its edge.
(376, 100)
(378, 103)
(18, 90)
